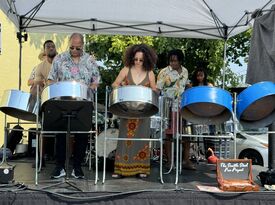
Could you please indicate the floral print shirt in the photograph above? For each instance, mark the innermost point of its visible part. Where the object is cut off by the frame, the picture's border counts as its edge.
(65, 69)
(171, 82)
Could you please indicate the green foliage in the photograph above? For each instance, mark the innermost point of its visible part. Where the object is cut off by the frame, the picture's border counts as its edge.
(110, 49)
(239, 47)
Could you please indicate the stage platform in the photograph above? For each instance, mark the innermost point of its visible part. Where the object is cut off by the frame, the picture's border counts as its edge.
(194, 187)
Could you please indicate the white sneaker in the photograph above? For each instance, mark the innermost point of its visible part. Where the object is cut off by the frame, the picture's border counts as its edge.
(58, 172)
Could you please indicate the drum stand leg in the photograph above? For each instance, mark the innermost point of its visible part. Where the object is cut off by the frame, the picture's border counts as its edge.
(172, 148)
(105, 130)
(40, 152)
(177, 146)
(172, 156)
(161, 156)
(66, 180)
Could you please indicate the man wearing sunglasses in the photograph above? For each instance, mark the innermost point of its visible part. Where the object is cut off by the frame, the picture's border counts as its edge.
(79, 66)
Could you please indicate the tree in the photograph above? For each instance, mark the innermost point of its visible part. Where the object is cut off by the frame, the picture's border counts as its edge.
(109, 50)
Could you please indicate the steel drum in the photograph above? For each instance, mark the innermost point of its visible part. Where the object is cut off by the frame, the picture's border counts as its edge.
(19, 104)
(256, 105)
(133, 102)
(66, 90)
(206, 105)
(165, 107)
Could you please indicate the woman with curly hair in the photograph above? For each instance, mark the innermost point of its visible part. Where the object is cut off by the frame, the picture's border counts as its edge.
(133, 157)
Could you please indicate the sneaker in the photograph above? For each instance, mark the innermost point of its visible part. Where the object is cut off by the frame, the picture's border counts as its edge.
(78, 173)
(58, 172)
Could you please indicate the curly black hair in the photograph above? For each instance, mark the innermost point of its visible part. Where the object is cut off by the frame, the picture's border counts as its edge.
(176, 52)
(149, 56)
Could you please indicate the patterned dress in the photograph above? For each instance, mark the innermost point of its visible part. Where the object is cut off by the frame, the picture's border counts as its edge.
(133, 157)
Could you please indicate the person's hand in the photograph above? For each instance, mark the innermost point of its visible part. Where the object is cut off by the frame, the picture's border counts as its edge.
(49, 82)
(158, 91)
(188, 85)
(93, 86)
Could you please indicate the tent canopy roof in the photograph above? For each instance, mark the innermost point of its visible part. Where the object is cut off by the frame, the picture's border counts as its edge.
(174, 18)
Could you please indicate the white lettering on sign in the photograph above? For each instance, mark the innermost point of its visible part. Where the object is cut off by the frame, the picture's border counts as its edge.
(234, 166)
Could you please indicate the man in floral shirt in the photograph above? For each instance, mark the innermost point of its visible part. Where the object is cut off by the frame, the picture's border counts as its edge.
(79, 66)
(172, 81)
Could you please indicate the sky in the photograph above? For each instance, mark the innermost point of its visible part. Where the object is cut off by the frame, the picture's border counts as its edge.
(239, 70)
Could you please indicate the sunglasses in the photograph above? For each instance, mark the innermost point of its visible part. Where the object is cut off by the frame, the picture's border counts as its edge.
(137, 59)
(75, 48)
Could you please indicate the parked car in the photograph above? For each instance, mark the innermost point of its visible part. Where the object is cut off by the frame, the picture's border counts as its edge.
(252, 145)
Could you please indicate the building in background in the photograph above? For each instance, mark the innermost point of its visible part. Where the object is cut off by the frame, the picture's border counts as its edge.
(9, 60)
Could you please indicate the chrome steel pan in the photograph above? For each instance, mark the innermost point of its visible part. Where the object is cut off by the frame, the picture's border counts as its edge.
(256, 105)
(206, 105)
(19, 104)
(133, 102)
(165, 106)
(66, 90)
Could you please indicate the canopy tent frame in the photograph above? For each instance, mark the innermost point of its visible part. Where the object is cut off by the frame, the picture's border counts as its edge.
(223, 29)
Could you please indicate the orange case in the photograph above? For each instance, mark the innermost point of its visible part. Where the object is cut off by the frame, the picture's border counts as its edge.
(238, 185)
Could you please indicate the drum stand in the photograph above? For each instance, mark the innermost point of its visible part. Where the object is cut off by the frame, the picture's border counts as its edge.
(78, 118)
(74, 113)
(180, 135)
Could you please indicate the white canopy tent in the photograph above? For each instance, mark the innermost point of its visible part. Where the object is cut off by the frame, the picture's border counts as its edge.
(208, 19)
(173, 18)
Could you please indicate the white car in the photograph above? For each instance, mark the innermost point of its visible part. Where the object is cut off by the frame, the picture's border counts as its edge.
(252, 145)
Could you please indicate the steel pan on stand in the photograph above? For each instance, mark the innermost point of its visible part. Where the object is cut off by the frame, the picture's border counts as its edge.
(66, 90)
(133, 102)
(67, 97)
(19, 104)
(256, 105)
(68, 106)
(206, 105)
(165, 106)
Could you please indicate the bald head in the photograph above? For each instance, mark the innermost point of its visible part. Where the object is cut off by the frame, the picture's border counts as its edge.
(77, 36)
(76, 45)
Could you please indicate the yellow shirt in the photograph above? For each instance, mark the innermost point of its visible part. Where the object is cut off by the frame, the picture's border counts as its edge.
(42, 71)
